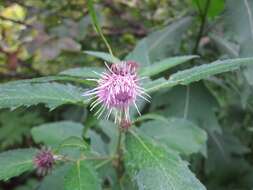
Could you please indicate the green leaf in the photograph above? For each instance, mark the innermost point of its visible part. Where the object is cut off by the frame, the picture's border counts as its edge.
(55, 181)
(50, 94)
(177, 134)
(14, 126)
(111, 131)
(214, 9)
(159, 44)
(60, 77)
(154, 167)
(82, 176)
(151, 116)
(238, 18)
(164, 65)
(174, 103)
(83, 72)
(239, 22)
(158, 84)
(102, 55)
(16, 162)
(55, 133)
(206, 70)
(73, 142)
(197, 73)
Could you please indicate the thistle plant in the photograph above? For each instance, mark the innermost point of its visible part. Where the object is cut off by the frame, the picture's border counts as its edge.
(126, 122)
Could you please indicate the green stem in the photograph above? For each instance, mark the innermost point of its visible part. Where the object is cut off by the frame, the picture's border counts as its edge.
(96, 25)
(202, 26)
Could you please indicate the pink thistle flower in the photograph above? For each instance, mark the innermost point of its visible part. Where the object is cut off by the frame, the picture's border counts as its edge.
(44, 161)
(117, 90)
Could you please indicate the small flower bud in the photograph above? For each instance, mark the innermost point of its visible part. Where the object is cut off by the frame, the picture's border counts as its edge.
(44, 161)
(125, 125)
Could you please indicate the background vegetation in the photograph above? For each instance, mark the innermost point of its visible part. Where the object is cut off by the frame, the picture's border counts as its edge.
(48, 48)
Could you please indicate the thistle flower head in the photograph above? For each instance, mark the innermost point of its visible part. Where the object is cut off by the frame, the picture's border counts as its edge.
(117, 89)
(44, 161)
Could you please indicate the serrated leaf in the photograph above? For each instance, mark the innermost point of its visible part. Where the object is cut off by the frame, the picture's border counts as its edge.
(177, 134)
(16, 162)
(82, 176)
(197, 73)
(164, 65)
(159, 44)
(204, 71)
(104, 56)
(61, 77)
(84, 72)
(55, 133)
(50, 94)
(154, 167)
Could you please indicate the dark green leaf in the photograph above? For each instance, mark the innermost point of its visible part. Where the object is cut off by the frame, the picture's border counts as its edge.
(174, 103)
(16, 162)
(164, 65)
(82, 176)
(159, 44)
(83, 72)
(204, 71)
(55, 133)
(14, 126)
(73, 142)
(177, 134)
(154, 167)
(55, 181)
(50, 94)
(102, 55)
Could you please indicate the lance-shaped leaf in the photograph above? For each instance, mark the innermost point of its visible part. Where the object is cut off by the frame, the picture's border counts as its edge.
(161, 43)
(197, 73)
(82, 176)
(154, 167)
(55, 133)
(164, 65)
(204, 71)
(158, 84)
(50, 94)
(61, 77)
(84, 72)
(16, 162)
(104, 56)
